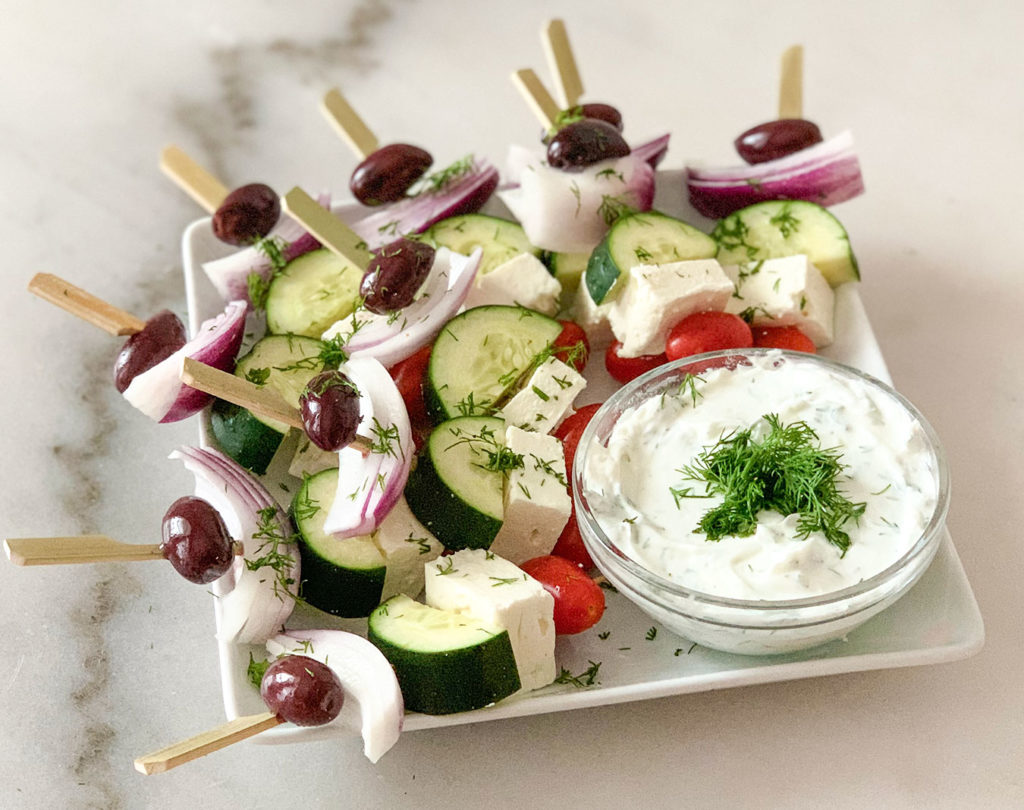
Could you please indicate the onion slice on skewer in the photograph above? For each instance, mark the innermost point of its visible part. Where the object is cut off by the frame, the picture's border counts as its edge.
(256, 595)
(159, 392)
(369, 486)
(826, 173)
(373, 701)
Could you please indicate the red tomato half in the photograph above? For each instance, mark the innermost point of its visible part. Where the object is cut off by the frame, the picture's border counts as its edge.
(570, 544)
(570, 432)
(409, 375)
(579, 601)
(625, 369)
(707, 332)
(783, 337)
(571, 336)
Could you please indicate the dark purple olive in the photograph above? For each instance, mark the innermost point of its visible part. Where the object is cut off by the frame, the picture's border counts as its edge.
(385, 175)
(330, 410)
(247, 214)
(394, 275)
(162, 336)
(603, 112)
(196, 541)
(302, 690)
(776, 139)
(585, 142)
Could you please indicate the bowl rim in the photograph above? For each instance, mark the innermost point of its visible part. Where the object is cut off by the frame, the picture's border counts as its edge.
(592, 531)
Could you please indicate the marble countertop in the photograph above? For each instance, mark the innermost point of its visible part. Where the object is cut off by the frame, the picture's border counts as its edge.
(108, 662)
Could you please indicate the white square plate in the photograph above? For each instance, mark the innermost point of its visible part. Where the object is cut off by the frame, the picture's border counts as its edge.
(937, 621)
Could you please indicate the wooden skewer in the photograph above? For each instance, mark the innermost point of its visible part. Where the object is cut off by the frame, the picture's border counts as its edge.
(537, 97)
(84, 305)
(87, 548)
(236, 730)
(260, 399)
(192, 178)
(349, 125)
(561, 62)
(334, 234)
(791, 83)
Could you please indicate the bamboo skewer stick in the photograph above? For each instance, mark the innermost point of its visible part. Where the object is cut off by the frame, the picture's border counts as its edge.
(334, 234)
(791, 83)
(179, 753)
(86, 548)
(193, 179)
(352, 129)
(561, 62)
(537, 97)
(84, 305)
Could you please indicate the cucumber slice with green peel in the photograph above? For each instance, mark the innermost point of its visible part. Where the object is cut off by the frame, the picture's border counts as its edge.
(568, 269)
(446, 662)
(342, 577)
(284, 362)
(456, 490)
(645, 238)
(241, 435)
(311, 293)
(778, 228)
(479, 354)
(499, 239)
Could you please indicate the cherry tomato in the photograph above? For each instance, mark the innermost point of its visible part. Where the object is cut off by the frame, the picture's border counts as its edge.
(783, 337)
(570, 431)
(570, 337)
(707, 332)
(579, 601)
(570, 544)
(409, 375)
(625, 369)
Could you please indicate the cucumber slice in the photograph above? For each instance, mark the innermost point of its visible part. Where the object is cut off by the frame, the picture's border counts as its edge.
(451, 491)
(568, 269)
(311, 293)
(479, 354)
(500, 239)
(284, 362)
(778, 228)
(244, 437)
(342, 577)
(646, 238)
(445, 661)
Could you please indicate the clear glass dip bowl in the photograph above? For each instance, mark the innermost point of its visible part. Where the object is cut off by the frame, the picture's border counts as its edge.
(745, 626)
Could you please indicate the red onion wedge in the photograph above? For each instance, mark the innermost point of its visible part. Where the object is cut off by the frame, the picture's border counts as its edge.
(653, 151)
(256, 595)
(569, 212)
(464, 194)
(373, 700)
(369, 486)
(826, 173)
(230, 275)
(159, 392)
(398, 335)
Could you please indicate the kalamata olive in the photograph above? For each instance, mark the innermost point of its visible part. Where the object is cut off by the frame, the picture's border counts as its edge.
(385, 175)
(603, 112)
(584, 142)
(330, 410)
(302, 690)
(776, 139)
(247, 214)
(394, 274)
(196, 541)
(162, 336)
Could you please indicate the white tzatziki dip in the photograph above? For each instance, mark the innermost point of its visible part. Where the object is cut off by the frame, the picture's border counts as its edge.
(888, 466)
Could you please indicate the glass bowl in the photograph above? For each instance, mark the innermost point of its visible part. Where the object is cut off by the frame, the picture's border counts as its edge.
(744, 625)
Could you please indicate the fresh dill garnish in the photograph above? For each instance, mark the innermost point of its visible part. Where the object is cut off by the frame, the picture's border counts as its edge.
(255, 671)
(586, 678)
(331, 355)
(784, 471)
(503, 581)
(503, 460)
(422, 542)
(688, 386)
(258, 376)
(444, 570)
(271, 537)
(612, 208)
(643, 255)
(305, 507)
(604, 635)
(540, 394)
(785, 222)
(441, 179)
(651, 634)
(273, 247)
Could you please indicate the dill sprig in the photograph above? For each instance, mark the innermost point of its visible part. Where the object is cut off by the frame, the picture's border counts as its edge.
(441, 179)
(255, 671)
(586, 678)
(784, 472)
(271, 538)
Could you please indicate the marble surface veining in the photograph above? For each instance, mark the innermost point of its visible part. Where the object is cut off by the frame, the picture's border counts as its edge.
(108, 662)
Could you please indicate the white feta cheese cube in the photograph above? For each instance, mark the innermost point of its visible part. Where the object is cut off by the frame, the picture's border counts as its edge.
(592, 317)
(546, 399)
(406, 545)
(523, 280)
(310, 459)
(789, 291)
(483, 585)
(537, 503)
(655, 297)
